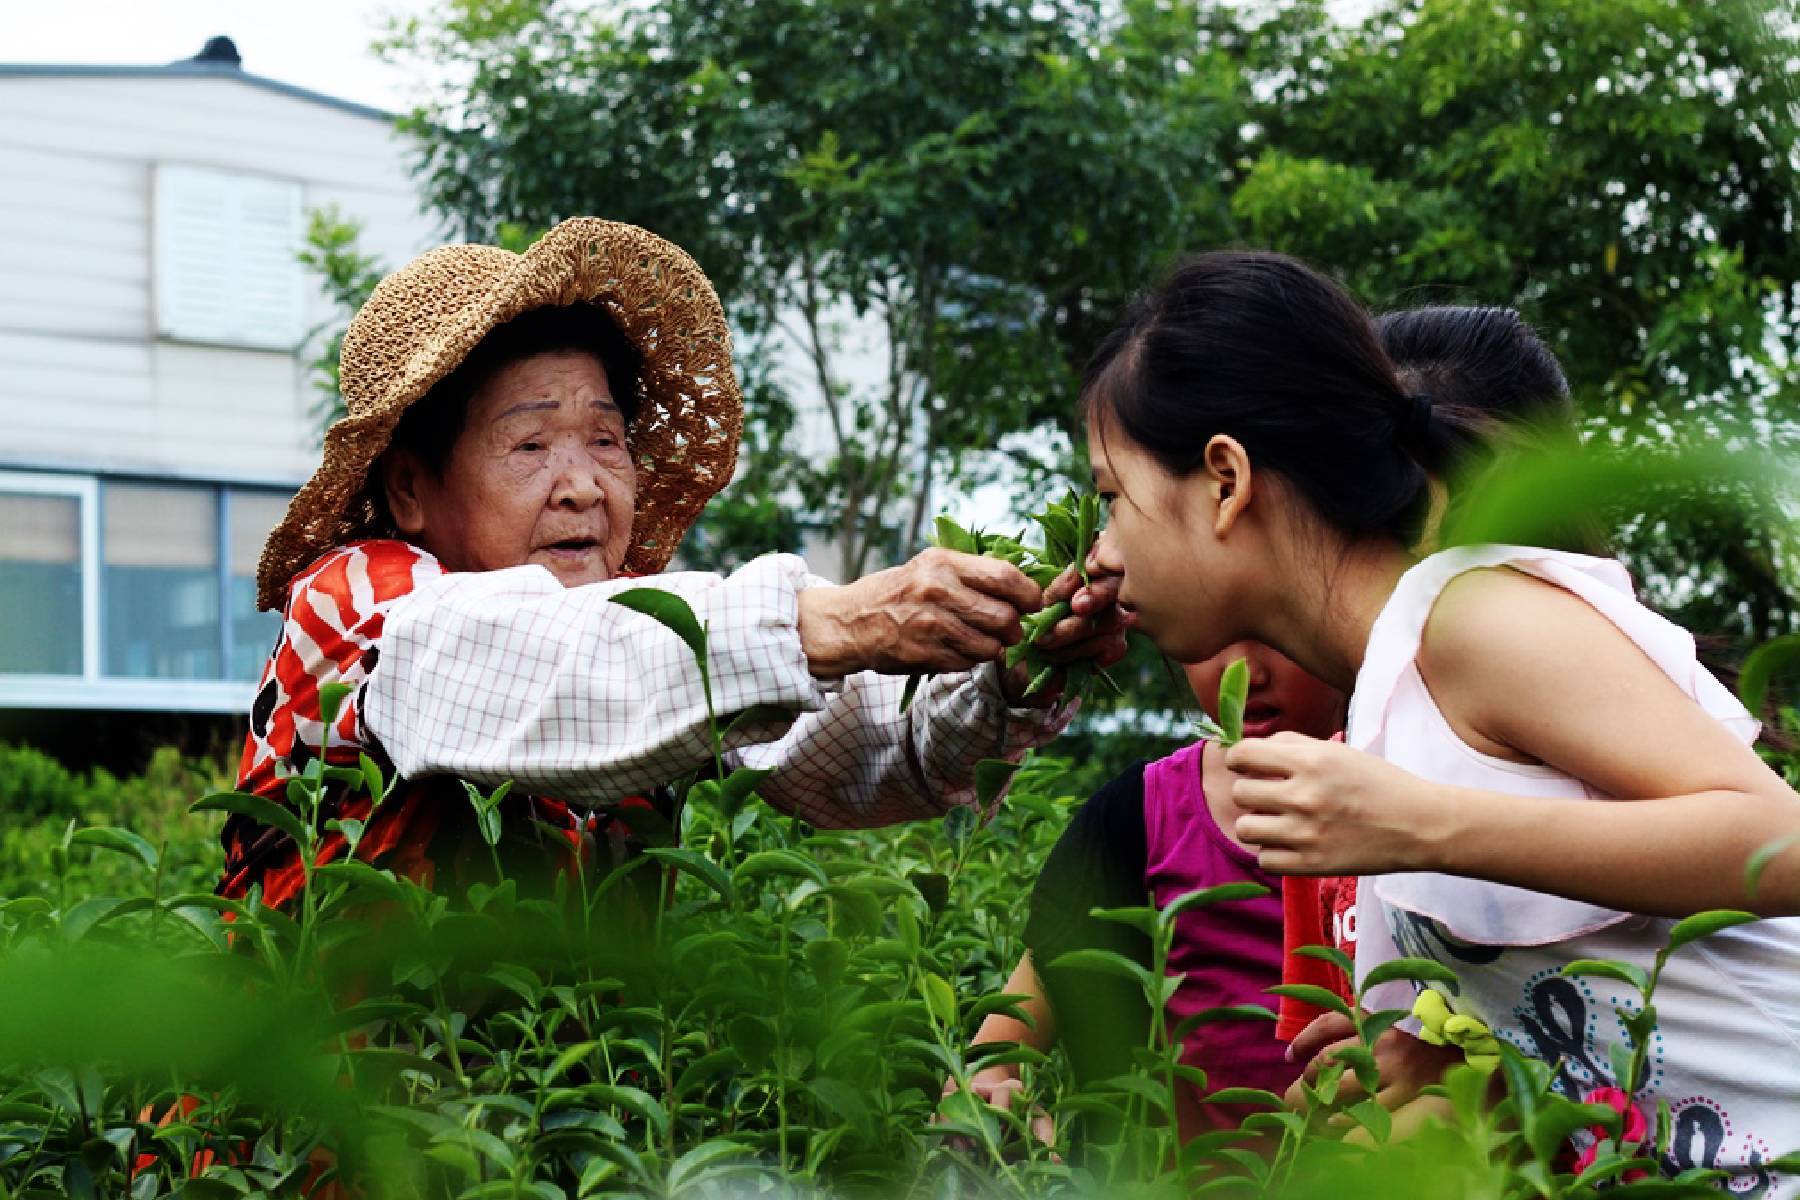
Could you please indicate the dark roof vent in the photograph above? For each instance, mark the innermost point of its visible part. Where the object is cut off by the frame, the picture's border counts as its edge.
(220, 50)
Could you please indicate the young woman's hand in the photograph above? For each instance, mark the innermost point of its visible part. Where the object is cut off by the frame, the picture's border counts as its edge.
(1321, 808)
(1406, 1065)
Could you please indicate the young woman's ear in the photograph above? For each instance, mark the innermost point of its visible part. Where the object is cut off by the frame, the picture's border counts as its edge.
(1228, 476)
(401, 475)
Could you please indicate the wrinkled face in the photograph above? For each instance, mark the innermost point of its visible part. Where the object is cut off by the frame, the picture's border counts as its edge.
(1282, 696)
(1161, 536)
(540, 474)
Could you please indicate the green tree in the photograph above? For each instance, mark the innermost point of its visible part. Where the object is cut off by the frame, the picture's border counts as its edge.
(346, 275)
(978, 181)
(1623, 171)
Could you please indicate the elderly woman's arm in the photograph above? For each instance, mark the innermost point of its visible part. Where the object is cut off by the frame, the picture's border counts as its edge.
(860, 761)
(507, 675)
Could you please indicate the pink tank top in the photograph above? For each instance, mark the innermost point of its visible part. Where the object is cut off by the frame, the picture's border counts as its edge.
(1228, 952)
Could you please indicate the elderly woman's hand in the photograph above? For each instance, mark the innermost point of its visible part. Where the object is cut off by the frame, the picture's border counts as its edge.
(1094, 630)
(943, 611)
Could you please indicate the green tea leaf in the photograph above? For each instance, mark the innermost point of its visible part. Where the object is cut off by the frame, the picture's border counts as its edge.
(951, 536)
(991, 777)
(671, 612)
(701, 1163)
(1218, 894)
(1234, 691)
(736, 789)
(258, 809)
(752, 1040)
(1141, 918)
(1418, 970)
(1760, 667)
(372, 776)
(940, 998)
(633, 1100)
(1608, 969)
(1705, 924)
(1228, 1012)
(331, 702)
(959, 824)
(1374, 1118)
(1108, 963)
(120, 841)
(1330, 954)
(1308, 993)
(1244, 1095)
(779, 863)
(696, 864)
(1361, 1060)
(356, 873)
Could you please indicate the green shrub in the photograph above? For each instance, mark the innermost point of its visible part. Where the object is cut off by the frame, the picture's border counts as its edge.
(34, 786)
(777, 1014)
(39, 798)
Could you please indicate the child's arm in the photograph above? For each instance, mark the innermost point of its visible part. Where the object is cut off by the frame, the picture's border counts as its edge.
(1525, 670)
(1040, 1035)
(997, 1085)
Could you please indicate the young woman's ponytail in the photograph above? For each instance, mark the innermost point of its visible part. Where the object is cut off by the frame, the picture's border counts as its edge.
(1439, 436)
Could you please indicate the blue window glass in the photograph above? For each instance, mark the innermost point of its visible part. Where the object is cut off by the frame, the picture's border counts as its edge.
(160, 581)
(40, 584)
(252, 516)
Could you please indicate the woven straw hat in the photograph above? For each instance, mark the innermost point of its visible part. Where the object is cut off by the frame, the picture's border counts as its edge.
(424, 319)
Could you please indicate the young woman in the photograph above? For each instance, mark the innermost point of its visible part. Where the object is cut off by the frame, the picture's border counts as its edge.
(1539, 758)
(1128, 844)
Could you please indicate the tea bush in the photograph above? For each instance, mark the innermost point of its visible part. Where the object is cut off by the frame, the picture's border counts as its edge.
(753, 1006)
(39, 797)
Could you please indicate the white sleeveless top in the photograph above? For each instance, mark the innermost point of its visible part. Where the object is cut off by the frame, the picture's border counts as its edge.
(1727, 1053)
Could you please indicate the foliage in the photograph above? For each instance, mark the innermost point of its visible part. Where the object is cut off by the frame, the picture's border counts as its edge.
(752, 1005)
(1623, 171)
(1068, 528)
(346, 275)
(41, 800)
(1234, 691)
(895, 174)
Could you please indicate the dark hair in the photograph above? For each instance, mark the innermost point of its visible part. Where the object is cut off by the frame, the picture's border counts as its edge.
(1265, 349)
(1479, 358)
(431, 426)
(1489, 359)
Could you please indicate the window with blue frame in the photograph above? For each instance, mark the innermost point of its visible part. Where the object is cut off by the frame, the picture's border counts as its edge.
(159, 586)
(133, 579)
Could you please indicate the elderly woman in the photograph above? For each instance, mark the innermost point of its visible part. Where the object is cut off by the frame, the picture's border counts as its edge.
(527, 435)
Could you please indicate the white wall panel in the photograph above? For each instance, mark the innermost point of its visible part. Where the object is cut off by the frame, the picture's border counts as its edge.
(84, 380)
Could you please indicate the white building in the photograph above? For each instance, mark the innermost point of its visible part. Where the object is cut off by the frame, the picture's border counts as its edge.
(155, 403)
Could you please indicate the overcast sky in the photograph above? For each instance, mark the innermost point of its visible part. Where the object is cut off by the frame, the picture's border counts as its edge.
(319, 44)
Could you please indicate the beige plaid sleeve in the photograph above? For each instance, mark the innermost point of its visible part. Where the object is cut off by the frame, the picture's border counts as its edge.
(499, 675)
(858, 761)
(507, 675)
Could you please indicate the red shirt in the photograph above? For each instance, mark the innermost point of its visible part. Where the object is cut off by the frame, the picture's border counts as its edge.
(331, 632)
(1317, 910)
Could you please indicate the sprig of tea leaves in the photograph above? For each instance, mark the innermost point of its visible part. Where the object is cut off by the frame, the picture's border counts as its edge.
(1068, 528)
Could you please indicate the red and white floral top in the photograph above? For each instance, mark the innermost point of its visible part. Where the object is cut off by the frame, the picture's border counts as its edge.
(331, 633)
